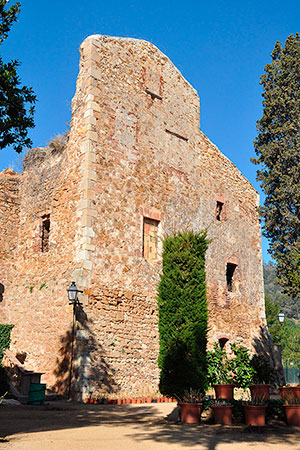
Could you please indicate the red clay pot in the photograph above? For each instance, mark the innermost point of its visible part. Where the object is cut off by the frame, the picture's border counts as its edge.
(289, 392)
(255, 415)
(223, 414)
(190, 412)
(224, 391)
(148, 400)
(260, 391)
(133, 401)
(292, 414)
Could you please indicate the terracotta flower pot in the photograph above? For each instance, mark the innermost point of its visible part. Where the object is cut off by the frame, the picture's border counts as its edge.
(260, 391)
(224, 391)
(223, 414)
(148, 400)
(289, 392)
(292, 414)
(190, 412)
(255, 415)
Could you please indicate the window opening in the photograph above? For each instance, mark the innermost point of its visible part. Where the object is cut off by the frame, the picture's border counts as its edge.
(222, 342)
(45, 232)
(219, 211)
(153, 95)
(150, 239)
(177, 135)
(230, 270)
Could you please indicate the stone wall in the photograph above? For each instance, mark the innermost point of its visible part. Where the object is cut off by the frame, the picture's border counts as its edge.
(135, 168)
(9, 219)
(151, 161)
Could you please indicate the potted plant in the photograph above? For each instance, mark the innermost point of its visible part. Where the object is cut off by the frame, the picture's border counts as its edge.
(255, 411)
(263, 376)
(219, 373)
(292, 410)
(190, 406)
(240, 366)
(289, 391)
(222, 410)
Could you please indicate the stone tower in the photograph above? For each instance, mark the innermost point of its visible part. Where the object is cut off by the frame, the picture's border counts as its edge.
(136, 167)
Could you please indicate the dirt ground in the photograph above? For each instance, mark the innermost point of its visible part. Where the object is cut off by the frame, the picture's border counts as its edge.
(69, 426)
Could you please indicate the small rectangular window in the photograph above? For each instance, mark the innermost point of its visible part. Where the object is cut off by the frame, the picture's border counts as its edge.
(230, 271)
(219, 211)
(45, 232)
(150, 239)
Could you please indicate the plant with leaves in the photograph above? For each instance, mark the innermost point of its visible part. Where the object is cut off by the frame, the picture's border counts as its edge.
(183, 314)
(241, 366)
(219, 370)
(16, 101)
(277, 147)
(263, 372)
(5, 331)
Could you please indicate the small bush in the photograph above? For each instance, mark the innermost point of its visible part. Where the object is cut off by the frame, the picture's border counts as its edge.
(4, 338)
(264, 373)
(58, 143)
(241, 366)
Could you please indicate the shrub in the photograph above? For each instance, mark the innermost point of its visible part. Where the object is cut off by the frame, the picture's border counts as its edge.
(264, 373)
(241, 366)
(218, 366)
(183, 314)
(4, 338)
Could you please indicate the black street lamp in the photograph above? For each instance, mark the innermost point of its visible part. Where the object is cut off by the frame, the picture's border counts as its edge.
(73, 292)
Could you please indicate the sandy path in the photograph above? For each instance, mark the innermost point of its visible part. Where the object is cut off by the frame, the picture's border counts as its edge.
(63, 426)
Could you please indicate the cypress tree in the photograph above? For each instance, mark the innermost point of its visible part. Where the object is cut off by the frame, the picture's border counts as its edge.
(183, 314)
(277, 147)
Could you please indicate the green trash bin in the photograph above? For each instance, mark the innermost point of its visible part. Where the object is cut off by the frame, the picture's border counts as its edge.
(36, 394)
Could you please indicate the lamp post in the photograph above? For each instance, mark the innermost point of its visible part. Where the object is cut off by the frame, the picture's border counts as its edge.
(281, 318)
(73, 300)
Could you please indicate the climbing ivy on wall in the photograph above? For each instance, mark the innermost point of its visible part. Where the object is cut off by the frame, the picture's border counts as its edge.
(183, 314)
(4, 338)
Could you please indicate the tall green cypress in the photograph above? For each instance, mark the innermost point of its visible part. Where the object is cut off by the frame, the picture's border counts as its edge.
(277, 147)
(183, 314)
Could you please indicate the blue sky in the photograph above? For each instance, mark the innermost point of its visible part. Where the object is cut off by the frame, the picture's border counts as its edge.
(219, 46)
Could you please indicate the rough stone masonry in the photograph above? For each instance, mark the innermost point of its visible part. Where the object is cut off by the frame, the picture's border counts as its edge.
(135, 167)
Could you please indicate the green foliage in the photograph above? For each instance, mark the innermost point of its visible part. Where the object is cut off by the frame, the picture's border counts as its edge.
(290, 305)
(191, 396)
(287, 335)
(277, 147)
(241, 366)
(218, 366)
(4, 338)
(183, 314)
(15, 119)
(223, 370)
(263, 372)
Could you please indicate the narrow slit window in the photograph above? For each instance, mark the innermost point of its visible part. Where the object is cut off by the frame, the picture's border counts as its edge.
(150, 239)
(177, 135)
(230, 272)
(153, 95)
(45, 232)
(219, 211)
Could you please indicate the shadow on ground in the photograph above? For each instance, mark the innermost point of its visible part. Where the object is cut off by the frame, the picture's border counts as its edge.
(141, 424)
